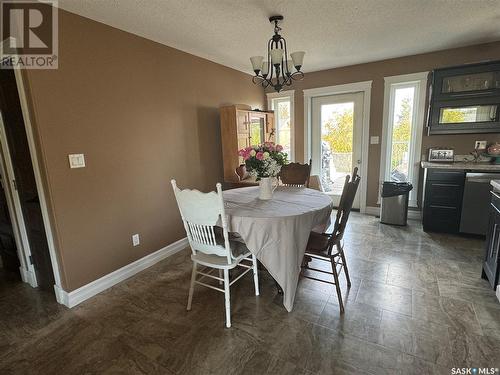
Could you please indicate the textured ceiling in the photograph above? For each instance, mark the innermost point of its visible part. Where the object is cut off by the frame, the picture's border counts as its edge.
(332, 32)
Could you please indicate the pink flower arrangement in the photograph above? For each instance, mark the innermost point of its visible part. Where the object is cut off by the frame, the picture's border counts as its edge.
(264, 160)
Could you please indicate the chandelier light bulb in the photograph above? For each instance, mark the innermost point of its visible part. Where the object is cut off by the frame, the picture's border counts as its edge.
(256, 63)
(298, 58)
(276, 56)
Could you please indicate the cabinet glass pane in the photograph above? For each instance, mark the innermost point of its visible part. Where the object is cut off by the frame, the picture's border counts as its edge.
(471, 82)
(256, 131)
(467, 114)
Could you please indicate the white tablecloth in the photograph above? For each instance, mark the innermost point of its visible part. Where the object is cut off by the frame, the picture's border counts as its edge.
(277, 230)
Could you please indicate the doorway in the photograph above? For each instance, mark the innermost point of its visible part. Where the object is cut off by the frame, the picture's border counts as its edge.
(336, 147)
(9, 252)
(21, 190)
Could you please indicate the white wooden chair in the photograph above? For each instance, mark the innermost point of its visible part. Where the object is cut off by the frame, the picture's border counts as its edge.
(201, 213)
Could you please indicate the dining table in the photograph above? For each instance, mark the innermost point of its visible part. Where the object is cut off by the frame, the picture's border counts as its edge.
(276, 230)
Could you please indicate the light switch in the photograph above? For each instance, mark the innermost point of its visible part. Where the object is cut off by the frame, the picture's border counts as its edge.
(76, 160)
(374, 140)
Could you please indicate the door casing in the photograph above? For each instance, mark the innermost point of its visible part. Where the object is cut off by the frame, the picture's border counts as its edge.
(58, 289)
(317, 102)
(365, 87)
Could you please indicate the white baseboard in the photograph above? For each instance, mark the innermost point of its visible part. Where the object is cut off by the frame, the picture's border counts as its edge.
(372, 211)
(73, 298)
(412, 215)
(28, 277)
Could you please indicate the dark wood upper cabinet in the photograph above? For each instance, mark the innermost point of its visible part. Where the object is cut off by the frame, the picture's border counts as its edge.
(465, 99)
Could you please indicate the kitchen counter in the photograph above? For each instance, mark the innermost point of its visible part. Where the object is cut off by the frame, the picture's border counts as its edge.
(462, 165)
(495, 184)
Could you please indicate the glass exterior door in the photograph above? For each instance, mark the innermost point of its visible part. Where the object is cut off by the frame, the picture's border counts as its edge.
(336, 140)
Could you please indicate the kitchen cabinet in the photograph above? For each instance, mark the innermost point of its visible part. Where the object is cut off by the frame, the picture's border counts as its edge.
(241, 127)
(443, 200)
(465, 99)
(491, 259)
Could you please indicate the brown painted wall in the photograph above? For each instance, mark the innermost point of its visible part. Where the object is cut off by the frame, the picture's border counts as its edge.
(376, 71)
(142, 113)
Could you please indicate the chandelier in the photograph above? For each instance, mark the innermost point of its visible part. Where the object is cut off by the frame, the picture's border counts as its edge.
(277, 70)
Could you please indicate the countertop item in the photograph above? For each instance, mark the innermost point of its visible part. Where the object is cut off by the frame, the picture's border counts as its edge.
(462, 165)
(494, 149)
(495, 158)
(495, 184)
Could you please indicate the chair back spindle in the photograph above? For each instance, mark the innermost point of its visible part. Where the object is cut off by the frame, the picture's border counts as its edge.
(200, 213)
(346, 201)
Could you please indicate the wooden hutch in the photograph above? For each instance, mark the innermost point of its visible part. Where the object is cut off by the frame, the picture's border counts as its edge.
(242, 127)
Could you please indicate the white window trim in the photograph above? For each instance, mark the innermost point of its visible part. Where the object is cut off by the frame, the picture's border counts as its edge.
(420, 80)
(285, 94)
(366, 88)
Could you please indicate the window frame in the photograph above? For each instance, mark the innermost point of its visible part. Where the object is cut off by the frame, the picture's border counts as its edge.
(391, 84)
(272, 99)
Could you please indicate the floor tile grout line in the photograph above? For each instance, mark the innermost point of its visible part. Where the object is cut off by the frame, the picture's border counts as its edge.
(374, 343)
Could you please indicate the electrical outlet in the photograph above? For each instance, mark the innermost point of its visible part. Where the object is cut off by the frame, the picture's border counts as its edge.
(136, 240)
(480, 145)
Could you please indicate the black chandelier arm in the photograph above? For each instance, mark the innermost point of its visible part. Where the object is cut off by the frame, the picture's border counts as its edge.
(288, 81)
(257, 79)
(283, 58)
(297, 76)
(269, 63)
(260, 79)
(286, 56)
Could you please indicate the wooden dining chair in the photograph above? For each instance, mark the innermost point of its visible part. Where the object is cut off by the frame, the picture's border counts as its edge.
(328, 246)
(295, 174)
(241, 172)
(201, 214)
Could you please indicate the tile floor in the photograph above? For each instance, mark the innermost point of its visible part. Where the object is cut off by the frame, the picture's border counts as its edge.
(417, 305)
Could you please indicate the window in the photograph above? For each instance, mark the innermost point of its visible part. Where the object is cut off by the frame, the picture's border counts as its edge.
(404, 101)
(282, 105)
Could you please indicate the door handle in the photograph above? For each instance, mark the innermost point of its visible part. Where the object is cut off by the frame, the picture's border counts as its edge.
(359, 161)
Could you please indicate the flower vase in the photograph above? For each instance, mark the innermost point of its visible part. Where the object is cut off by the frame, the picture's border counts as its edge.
(266, 187)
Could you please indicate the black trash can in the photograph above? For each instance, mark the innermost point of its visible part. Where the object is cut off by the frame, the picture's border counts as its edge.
(394, 202)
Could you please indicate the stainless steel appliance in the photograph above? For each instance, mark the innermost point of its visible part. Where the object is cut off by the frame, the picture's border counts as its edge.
(475, 202)
(441, 154)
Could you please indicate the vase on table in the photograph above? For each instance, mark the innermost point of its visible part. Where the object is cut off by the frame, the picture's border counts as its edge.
(266, 187)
